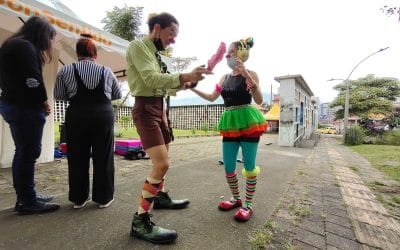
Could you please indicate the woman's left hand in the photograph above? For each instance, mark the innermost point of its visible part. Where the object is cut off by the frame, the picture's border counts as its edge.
(250, 85)
(47, 108)
(245, 73)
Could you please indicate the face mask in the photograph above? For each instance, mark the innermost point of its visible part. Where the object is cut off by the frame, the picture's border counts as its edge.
(231, 61)
(158, 44)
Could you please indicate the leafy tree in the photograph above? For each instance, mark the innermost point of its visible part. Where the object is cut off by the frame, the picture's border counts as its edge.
(124, 22)
(393, 120)
(178, 64)
(391, 10)
(181, 63)
(368, 96)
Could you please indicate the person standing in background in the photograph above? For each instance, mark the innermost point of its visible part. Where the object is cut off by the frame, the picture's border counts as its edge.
(89, 120)
(24, 106)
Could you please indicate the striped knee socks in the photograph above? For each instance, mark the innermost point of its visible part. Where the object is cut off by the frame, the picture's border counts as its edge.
(233, 185)
(150, 189)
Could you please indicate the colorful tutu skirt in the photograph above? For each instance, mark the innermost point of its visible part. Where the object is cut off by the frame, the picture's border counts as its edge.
(244, 120)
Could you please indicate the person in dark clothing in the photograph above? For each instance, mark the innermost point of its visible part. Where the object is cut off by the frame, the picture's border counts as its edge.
(241, 126)
(24, 106)
(89, 120)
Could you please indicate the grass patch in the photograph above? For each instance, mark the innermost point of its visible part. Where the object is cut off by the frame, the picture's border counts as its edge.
(388, 196)
(300, 172)
(355, 169)
(290, 246)
(377, 183)
(260, 239)
(386, 158)
(272, 226)
(131, 133)
(396, 200)
(300, 211)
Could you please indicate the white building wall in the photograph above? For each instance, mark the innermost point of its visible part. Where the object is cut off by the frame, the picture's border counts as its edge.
(297, 111)
(287, 116)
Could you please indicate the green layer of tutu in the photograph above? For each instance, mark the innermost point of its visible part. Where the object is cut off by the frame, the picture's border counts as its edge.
(240, 118)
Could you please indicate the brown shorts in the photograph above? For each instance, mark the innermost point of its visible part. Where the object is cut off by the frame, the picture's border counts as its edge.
(151, 121)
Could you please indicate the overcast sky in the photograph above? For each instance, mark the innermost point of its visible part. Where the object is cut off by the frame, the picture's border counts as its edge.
(319, 39)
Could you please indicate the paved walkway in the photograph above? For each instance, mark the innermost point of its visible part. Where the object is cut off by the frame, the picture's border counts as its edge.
(305, 198)
(329, 206)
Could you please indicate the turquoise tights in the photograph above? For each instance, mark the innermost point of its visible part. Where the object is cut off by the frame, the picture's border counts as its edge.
(230, 151)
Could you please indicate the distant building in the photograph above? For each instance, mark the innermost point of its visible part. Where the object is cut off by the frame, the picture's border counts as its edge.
(327, 115)
(298, 110)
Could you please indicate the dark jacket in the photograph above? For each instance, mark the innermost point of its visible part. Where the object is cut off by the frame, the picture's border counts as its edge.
(21, 79)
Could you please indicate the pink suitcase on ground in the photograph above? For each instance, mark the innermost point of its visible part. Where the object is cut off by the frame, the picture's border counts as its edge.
(122, 146)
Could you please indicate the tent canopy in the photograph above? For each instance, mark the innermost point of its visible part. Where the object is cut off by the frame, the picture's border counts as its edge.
(110, 52)
(273, 114)
(111, 49)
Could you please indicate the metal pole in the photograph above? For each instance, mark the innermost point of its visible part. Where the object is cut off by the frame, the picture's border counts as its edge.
(271, 95)
(346, 107)
(347, 102)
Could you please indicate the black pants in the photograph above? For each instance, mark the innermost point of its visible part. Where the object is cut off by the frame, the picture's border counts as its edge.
(90, 133)
(26, 125)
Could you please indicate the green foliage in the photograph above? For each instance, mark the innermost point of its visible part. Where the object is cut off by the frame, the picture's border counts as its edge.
(259, 239)
(125, 121)
(204, 127)
(214, 127)
(132, 133)
(56, 132)
(368, 96)
(392, 137)
(179, 64)
(354, 136)
(324, 125)
(394, 120)
(391, 10)
(123, 22)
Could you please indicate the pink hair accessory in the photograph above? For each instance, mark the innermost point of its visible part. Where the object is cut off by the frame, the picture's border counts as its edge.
(218, 88)
(217, 57)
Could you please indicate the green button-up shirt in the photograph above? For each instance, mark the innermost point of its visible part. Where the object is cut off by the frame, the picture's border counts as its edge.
(144, 72)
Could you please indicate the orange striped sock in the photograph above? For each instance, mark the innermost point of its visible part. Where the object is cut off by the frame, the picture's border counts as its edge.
(150, 189)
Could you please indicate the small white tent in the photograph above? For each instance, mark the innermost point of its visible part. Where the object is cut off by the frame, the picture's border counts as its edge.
(111, 52)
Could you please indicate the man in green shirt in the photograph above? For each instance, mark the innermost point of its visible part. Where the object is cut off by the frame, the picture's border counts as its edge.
(150, 82)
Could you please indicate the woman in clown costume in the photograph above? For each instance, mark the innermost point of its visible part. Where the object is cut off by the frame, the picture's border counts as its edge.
(241, 125)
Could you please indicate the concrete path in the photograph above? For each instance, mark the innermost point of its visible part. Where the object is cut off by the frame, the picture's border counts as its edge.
(302, 190)
(329, 206)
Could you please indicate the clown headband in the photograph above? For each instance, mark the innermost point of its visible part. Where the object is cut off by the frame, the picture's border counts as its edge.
(243, 47)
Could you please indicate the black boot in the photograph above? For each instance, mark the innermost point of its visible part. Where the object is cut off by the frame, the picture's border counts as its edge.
(144, 228)
(162, 200)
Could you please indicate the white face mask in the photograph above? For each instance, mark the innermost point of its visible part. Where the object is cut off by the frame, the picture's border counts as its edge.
(231, 61)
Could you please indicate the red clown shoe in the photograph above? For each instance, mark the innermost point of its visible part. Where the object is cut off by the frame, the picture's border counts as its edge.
(243, 214)
(229, 205)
